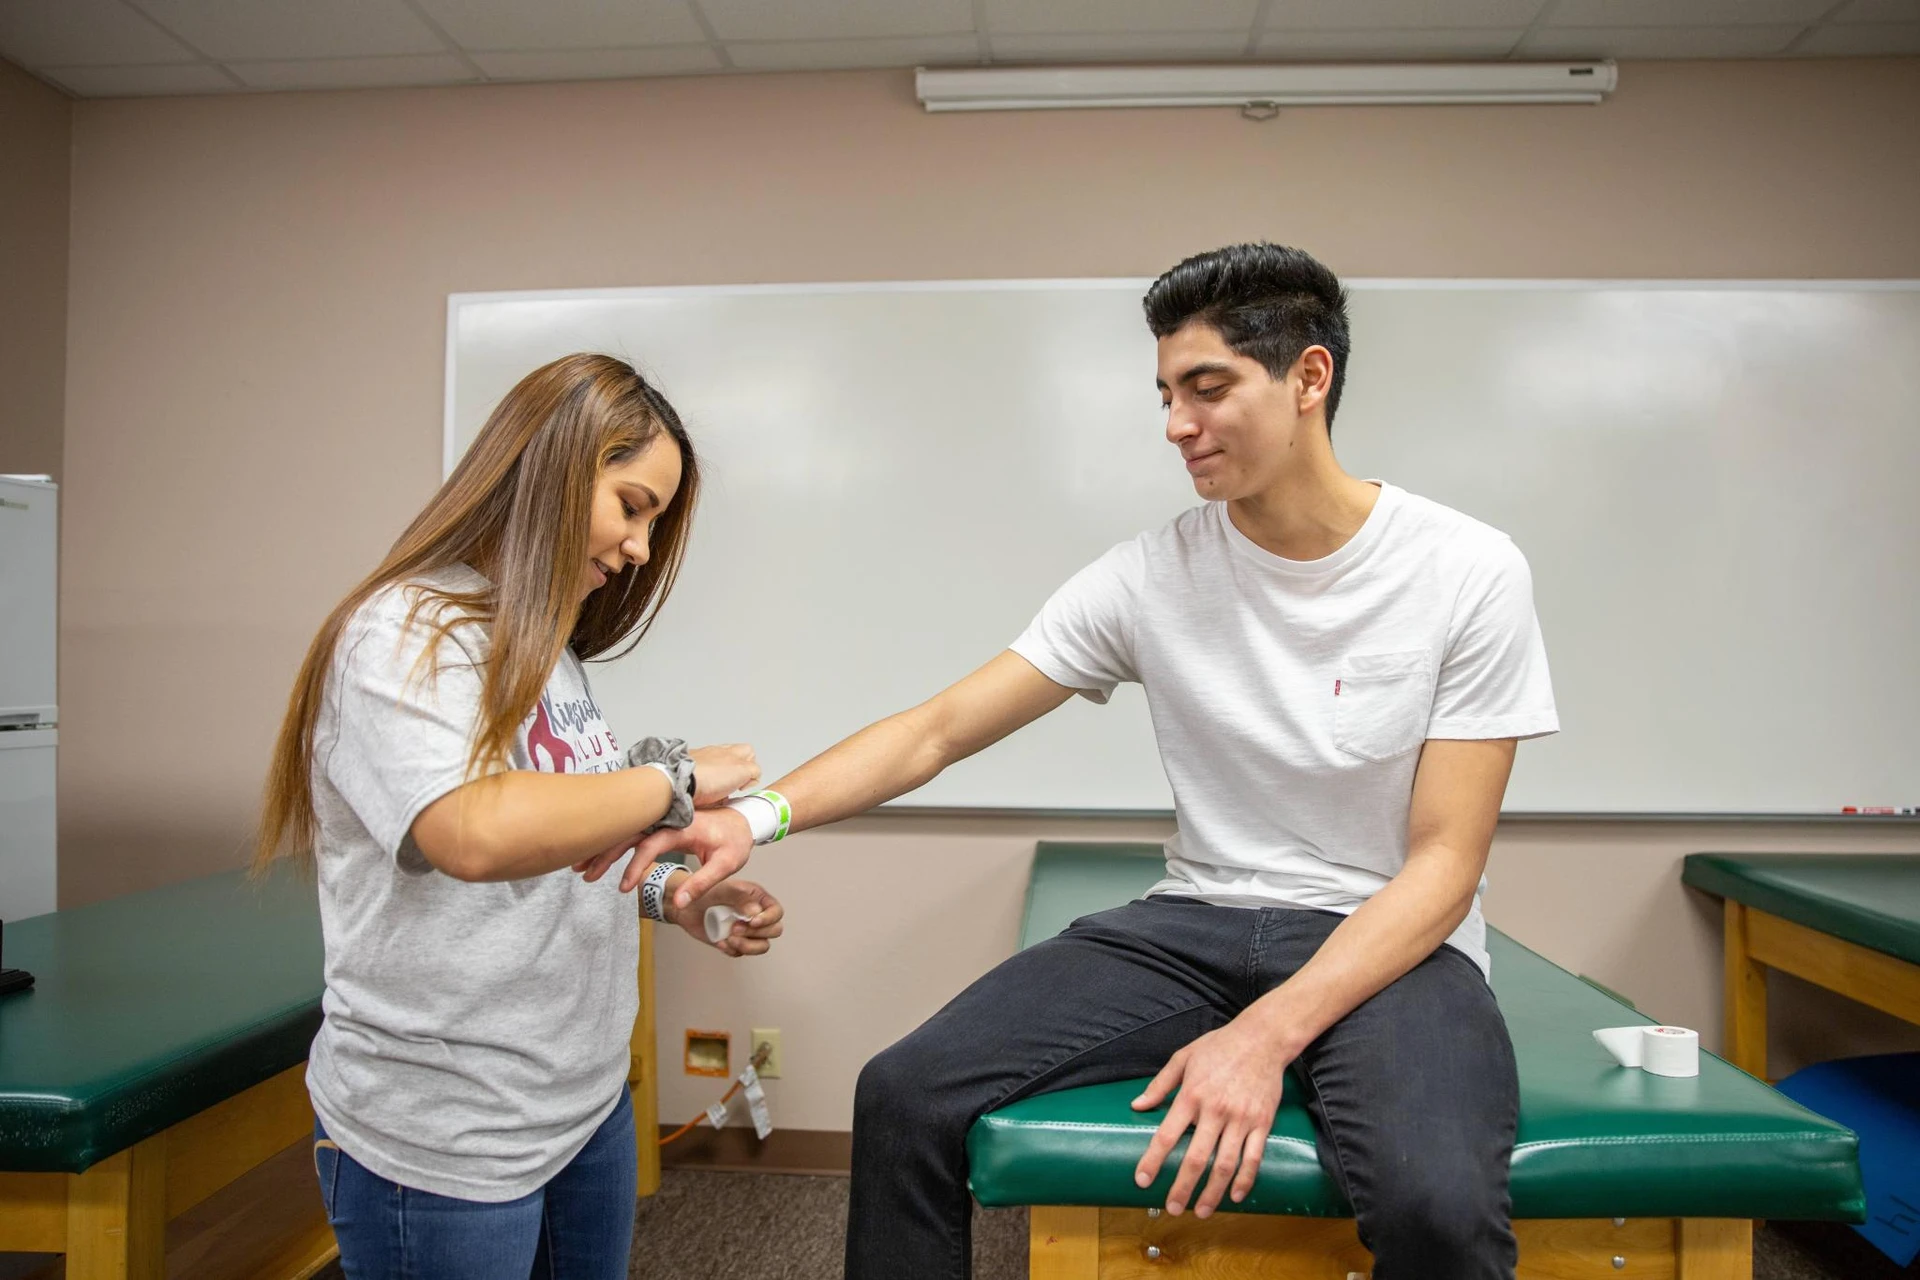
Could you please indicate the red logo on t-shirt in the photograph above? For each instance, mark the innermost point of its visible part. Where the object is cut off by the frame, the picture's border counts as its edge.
(542, 738)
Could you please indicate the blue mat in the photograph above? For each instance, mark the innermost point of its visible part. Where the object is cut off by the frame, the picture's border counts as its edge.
(1879, 1099)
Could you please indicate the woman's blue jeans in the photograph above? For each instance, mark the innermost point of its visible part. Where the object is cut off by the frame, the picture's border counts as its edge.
(579, 1226)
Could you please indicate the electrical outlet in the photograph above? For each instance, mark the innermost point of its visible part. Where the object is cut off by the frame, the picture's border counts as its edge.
(770, 1037)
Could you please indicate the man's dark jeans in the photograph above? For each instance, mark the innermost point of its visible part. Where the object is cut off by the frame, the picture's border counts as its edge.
(1413, 1094)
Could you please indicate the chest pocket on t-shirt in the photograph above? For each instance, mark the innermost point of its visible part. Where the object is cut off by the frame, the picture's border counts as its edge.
(1382, 702)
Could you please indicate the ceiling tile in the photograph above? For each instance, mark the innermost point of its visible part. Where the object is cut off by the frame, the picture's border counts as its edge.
(140, 82)
(1118, 17)
(1683, 13)
(1383, 15)
(1657, 42)
(287, 29)
(598, 64)
(1856, 39)
(1387, 46)
(82, 33)
(565, 24)
(354, 73)
(1131, 47)
(1879, 11)
(836, 19)
(845, 55)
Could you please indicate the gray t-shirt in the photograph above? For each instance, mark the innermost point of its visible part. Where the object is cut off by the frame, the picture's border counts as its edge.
(476, 1034)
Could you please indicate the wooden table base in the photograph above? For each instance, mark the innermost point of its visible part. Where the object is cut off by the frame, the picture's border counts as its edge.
(1133, 1244)
(1756, 941)
(111, 1221)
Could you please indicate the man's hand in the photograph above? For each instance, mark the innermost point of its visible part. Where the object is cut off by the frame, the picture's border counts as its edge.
(749, 937)
(1229, 1082)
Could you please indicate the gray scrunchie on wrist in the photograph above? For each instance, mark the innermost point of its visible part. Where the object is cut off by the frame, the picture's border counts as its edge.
(671, 757)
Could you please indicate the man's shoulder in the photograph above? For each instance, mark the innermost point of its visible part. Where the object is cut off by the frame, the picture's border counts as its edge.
(1451, 532)
(1194, 529)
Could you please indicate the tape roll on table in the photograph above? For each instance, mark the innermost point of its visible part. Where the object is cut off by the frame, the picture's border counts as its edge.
(1663, 1051)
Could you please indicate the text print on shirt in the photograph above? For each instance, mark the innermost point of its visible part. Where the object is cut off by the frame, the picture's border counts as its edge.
(587, 746)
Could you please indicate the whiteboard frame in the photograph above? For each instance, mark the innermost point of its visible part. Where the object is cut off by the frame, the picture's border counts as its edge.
(456, 301)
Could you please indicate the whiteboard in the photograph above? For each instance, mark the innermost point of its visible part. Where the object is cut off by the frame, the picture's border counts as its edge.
(1714, 483)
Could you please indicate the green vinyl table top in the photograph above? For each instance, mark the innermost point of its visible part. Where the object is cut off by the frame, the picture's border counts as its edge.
(1595, 1139)
(1872, 899)
(149, 1008)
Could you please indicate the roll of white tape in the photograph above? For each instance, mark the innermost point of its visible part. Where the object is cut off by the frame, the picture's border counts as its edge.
(1622, 1042)
(1664, 1051)
(1671, 1051)
(720, 923)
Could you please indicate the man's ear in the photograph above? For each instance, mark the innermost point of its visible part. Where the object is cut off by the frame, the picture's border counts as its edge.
(1314, 368)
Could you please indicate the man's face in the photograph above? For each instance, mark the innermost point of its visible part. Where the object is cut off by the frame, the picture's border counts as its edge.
(1234, 424)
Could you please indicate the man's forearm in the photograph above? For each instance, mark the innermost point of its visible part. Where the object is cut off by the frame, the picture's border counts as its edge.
(1385, 937)
(893, 756)
(886, 759)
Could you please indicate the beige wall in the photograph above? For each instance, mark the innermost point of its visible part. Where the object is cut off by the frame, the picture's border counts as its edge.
(36, 131)
(254, 384)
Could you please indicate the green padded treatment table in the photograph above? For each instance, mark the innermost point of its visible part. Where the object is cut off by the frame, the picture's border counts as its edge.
(1848, 922)
(1869, 899)
(158, 1057)
(149, 1008)
(1596, 1141)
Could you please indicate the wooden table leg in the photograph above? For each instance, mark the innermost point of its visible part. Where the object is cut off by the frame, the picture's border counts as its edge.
(1063, 1243)
(644, 1074)
(117, 1216)
(1746, 997)
(1715, 1249)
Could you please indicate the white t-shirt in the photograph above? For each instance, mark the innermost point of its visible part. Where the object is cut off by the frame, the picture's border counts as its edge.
(476, 1034)
(1289, 698)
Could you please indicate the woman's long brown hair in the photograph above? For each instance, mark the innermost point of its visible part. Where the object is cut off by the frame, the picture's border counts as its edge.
(519, 503)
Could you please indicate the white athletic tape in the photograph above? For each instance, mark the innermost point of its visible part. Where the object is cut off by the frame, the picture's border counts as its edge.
(1663, 1051)
(757, 1109)
(720, 923)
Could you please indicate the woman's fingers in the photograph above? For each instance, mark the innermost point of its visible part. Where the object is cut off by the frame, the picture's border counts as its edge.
(722, 770)
(593, 868)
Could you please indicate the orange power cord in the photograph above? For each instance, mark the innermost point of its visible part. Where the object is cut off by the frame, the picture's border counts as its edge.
(759, 1060)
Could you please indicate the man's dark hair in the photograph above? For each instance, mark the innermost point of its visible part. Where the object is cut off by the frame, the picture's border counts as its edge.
(1267, 301)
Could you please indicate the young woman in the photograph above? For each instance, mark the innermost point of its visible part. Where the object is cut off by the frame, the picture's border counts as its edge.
(441, 759)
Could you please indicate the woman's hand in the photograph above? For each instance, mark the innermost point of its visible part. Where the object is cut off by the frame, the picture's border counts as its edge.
(720, 771)
(748, 937)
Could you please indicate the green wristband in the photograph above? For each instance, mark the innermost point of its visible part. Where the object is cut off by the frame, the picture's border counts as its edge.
(782, 814)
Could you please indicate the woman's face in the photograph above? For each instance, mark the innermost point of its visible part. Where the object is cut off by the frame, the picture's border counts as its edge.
(627, 498)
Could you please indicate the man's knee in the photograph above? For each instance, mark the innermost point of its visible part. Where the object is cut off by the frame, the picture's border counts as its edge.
(1440, 1213)
(894, 1086)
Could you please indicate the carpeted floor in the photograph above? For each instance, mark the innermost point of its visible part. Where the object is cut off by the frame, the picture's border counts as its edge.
(745, 1226)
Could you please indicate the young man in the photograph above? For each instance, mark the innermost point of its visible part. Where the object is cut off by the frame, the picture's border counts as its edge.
(1338, 673)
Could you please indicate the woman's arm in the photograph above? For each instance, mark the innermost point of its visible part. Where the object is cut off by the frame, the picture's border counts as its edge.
(521, 823)
(883, 760)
